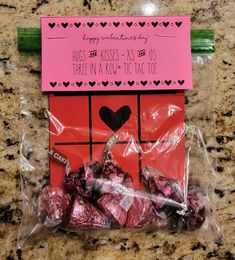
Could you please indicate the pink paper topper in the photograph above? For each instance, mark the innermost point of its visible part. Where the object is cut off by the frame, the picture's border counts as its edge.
(116, 53)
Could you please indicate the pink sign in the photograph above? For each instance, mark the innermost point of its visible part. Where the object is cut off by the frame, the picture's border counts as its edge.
(116, 53)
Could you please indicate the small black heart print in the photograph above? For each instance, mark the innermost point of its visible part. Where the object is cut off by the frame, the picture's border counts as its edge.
(116, 24)
(178, 23)
(168, 82)
(77, 24)
(154, 24)
(118, 83)
(53, 84)
(144, 83)
(52, 25)
(92, 83)
(156, 82)
(165, 24)
(129, 24)
(90, 24)
(131, 83)
(103, 24)
(64, 24)
(66, 84)
(105, 83)
(79, 84)
(181, 82)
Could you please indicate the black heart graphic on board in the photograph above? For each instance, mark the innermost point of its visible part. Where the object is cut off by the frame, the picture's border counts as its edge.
(66, 84)
(64, 24)
(156, 82)
(142, 24)
(165, 24)
(116, 24)
(129, 24)
(115, 120)
(79, 84)
(181, 82)
(131, 83)
(77, 24)
(53, 84)
(154, 24)
(105, 83)
(144, 82)
(178, 23)
(92, 83)
(90, 24)
(118, 83)
(103, 24)
(168, 82)
(51, 25)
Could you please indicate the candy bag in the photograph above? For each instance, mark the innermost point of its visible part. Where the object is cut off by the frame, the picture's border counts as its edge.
(102, 159)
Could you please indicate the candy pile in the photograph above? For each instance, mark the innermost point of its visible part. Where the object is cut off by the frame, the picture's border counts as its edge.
(102, 196)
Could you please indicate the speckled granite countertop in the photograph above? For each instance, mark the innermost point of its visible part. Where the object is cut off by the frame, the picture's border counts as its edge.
(218, 14)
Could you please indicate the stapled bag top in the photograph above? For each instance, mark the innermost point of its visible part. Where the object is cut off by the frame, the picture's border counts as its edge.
(116, 53)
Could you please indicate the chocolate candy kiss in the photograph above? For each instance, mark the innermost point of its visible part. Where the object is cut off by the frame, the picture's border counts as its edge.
(115, 207)
(114, 173)
(168, 191)
(52, 205)
(140, 213)
(83, 180)
(194, 216)
(86, 215)
(115, 185)
(168, 194)
(111, 170)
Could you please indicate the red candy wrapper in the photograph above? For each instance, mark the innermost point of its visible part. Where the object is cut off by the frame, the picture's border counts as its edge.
(52, 205)
(85, 215)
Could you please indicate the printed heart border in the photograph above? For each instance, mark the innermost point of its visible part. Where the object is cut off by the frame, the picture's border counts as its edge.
(118, 83)
(115, 24)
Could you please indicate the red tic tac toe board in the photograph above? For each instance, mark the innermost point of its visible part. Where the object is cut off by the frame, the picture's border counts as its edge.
(150, 129)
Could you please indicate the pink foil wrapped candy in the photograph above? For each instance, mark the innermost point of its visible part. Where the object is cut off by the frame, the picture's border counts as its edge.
(141, 213)
(113, 172)
(168, 191)
(113, 176)
(115, 207)
(86, 215)
(116, 184)
(83, 180)
(194, 216)
(53, 205)
(168, 195)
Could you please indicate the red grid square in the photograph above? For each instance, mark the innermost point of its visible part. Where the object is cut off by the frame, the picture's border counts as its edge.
(100, 130)
(161, 115)
(69, 118)
(167, 157)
